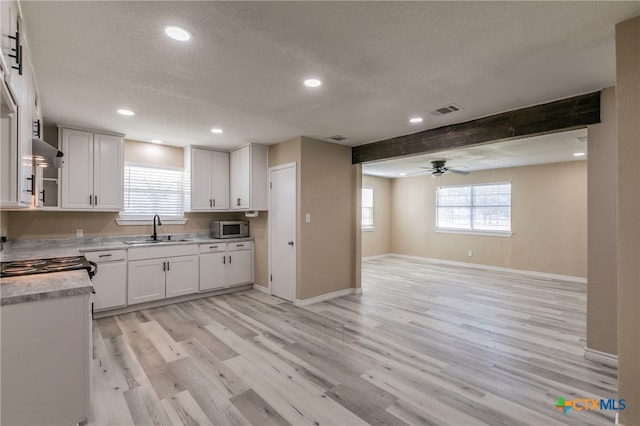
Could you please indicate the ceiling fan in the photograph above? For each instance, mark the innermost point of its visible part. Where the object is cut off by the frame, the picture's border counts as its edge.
(438, 168)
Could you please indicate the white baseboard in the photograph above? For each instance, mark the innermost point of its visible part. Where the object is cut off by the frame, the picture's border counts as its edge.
(535, 274)
(323, 297)
(378, 256)
(261, 288)
(601, 357)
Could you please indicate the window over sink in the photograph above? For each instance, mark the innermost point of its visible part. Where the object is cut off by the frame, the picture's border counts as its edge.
(152, 190)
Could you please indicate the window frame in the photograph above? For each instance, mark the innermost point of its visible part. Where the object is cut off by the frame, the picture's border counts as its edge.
(471, 230)
(130, 219)
(362, 207)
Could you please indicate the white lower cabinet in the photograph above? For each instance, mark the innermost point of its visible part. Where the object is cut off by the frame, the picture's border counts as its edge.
(110, 282)
(156, 273)
(225, 264)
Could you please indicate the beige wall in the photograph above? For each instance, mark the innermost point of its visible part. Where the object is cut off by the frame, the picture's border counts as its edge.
(628, 126)
(328, 242)
(378, 241)
(602, 208)
(549, 220)
(153, 155)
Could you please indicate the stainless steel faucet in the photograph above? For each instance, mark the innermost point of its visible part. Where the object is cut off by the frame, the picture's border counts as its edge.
(155, 234)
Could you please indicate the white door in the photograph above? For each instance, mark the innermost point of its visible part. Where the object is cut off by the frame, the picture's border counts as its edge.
(213, 270)
(201, 173)
(282, 231)
(77, 173)
(238, 267)
(182, 275)
(220, 184)
(146, 280)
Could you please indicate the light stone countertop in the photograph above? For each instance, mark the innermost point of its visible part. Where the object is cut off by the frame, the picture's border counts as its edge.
(30, 288)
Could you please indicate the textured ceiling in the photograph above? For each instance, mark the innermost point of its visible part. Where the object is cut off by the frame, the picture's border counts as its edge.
(381, 63)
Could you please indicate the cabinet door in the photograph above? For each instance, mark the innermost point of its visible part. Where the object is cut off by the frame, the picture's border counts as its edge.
(240, 166)
(239, 267)
(213, 272)
(9, 28)
(108, 172)
(26, 182)
(110, 284)
(77, 173)
(201, 173)
(146, 280)
(220, 180)
(182, 275)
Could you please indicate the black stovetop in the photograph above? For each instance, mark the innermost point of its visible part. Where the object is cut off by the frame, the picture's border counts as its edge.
(42, 266)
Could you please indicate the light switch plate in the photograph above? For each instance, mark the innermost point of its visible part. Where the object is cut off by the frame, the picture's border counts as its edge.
(307, 217)
(79, 233)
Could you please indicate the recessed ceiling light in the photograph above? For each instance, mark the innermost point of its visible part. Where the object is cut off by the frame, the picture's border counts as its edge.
(579, 154)
(126, 112)
(178, 33)
(415, 120)
(217, 131)
(156, 141)
(312, 82)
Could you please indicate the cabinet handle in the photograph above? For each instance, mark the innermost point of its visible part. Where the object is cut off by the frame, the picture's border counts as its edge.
(168, 266)
(96, 200)
(238, 201)
(239, 245)
(105, 255)
(18, 55)
(164, 266)
(224, 260)
(42, 199)
(210, 203)
(229, 260)
(90, 200)
(213, 246)
(33, 182)
(214, 202)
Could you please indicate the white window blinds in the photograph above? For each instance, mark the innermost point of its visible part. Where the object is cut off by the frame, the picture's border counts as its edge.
(152, 190)
(367, 207)
(474, 207)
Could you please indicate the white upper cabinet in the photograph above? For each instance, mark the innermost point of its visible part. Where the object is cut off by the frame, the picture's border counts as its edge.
(249, 165)
(93, 173)
(208, 174)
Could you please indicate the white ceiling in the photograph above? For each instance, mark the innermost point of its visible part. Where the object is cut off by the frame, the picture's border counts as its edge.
(554, 148)
(381, 63)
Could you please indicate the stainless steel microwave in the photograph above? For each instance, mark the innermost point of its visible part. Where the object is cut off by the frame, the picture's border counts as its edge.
(229, 228)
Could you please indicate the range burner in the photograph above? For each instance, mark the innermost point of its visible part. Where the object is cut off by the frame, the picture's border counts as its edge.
(43, 266)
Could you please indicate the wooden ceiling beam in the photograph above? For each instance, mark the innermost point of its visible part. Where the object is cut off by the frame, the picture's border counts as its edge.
(565, 114)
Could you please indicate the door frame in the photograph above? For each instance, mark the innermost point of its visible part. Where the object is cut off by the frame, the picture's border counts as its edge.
(295, 215)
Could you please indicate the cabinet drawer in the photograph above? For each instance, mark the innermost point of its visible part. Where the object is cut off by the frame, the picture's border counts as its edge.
(106, 255)
(163, 251)
(241, 245)
(212, 247)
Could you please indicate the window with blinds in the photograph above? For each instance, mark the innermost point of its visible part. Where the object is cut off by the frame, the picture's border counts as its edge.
(152, 190)
(367, 208)
(485, 208)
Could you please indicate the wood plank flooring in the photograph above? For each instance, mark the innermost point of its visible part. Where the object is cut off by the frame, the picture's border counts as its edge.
(424, 344)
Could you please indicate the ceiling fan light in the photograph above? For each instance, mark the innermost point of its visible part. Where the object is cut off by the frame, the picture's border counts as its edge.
(437, 173)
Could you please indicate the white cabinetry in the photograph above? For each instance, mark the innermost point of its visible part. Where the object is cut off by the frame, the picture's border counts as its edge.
(93, 174)
(156, 273)
(249, 165)
(110, 282)
(208, 174)
(46, 356)
(225, 264)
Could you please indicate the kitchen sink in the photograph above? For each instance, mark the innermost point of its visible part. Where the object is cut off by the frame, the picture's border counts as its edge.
(158, 241)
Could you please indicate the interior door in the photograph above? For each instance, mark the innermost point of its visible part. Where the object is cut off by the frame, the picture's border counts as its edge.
(282, 231)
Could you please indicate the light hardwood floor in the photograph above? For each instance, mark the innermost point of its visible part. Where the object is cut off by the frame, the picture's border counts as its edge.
(424, 344)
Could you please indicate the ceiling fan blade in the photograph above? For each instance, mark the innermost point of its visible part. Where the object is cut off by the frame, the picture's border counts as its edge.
(429, 169)
(420, 172)
(460, 172)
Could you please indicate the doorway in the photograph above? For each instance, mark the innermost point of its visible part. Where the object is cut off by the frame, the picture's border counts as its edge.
(282, 231)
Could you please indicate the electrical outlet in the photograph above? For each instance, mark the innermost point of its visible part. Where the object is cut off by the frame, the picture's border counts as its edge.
(79, 233)
(469, 253)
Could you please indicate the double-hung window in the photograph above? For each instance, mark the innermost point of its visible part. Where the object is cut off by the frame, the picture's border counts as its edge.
(474, 208)
(150, 190)
(367, 208)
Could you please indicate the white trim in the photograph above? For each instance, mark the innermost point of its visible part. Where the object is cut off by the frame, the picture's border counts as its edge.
(129, 222)
(503, 234)
(601, 357)
(535, 274)
(323, 297)
(262, 289)
(356, 291)
(378, 256)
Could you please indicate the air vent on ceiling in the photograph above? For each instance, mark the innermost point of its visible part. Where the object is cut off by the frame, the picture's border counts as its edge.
(336, 138)
(446, 109)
